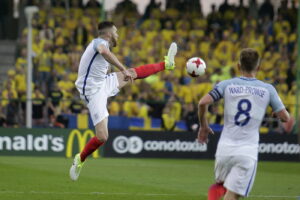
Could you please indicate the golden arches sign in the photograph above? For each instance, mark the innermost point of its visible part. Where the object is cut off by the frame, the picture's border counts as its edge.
(82, 140)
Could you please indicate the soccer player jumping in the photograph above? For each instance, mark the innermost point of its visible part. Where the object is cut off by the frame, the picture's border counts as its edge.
(245, 103)
(95, 85)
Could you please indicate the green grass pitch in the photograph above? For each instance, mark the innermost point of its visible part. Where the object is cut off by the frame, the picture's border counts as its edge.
(41, 178)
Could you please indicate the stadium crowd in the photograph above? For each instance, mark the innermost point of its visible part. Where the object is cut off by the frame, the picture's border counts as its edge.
(60, 33)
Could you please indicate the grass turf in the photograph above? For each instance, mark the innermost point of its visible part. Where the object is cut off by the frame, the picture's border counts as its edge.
(32, 178)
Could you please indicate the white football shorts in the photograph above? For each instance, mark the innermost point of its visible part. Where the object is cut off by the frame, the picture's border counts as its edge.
(97, 103)
(236, 172)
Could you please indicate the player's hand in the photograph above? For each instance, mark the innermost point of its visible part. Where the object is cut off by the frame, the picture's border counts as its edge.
(203, 134)
(127, 76)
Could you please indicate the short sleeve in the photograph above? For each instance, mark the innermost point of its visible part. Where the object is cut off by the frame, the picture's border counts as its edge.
(218, 91)
(275, 100)
(99, 41)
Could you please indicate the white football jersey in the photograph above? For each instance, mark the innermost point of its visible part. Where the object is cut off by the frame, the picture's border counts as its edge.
(92, 69)
(245, 103)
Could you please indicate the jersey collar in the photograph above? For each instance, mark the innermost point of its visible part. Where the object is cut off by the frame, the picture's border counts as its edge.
(247, 79)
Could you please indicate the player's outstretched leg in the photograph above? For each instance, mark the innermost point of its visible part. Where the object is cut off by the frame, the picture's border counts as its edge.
(144, 71)
(149, 69)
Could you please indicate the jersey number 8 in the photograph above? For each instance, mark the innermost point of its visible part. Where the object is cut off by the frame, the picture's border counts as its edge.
(243, 111)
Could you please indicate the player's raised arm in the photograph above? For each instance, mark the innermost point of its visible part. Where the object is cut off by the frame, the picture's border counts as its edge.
(204, 129)
(110, 57)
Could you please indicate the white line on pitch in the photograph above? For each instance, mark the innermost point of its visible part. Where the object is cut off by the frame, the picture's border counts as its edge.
(272, 196)
(84, 193)
(133, 194)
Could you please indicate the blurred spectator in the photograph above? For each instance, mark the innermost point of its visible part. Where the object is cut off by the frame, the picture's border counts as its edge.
(60, 63)
(2, 121)
(215, 114)
(80, 34)
(185, 5)
(114, 108)
(60, 121)
(253, 9)
(171, 114)
(9, 93)
(54, 122)
(76, 106)
(170, 4)
(10, 102)
(283, 10)
(151, 6)
(241, 10)
(194, 6)
(46, 33)
(4, 11)
(224, 7)
(156, 107)
(267, 26)
(213, 17)
(126, 6)
(266, 9)
(76, 3)
(58, 3)
(169, 88)
(191, 117)
(12, 112)
(93, 4)
(44, 64)
(21, 61)
(2, 116)
(55, 98)
(168, 120)
(292, 14)
(38, 103)
(66, 85)
(20, 81)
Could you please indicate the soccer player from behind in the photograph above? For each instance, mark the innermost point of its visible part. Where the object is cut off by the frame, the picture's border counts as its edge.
(95, 85)
(245, 103)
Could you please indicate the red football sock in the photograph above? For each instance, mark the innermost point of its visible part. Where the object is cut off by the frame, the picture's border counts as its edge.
(149, 69)
(216, 191)
(90, 147)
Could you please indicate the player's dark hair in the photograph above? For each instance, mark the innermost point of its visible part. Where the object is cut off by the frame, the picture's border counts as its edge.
(103, 26)
(249, 59)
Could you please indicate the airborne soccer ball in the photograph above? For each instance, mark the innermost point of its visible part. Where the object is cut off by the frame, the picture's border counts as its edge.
(195, 67)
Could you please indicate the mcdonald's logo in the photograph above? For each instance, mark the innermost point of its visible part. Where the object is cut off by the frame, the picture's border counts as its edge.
(82, 140)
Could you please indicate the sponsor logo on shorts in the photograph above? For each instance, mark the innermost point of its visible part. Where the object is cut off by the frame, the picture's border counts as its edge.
(135, 145)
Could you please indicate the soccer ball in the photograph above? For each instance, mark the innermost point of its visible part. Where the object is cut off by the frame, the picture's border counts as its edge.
(195, 67)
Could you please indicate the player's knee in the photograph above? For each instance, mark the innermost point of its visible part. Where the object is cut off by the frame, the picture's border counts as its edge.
(102, 136)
